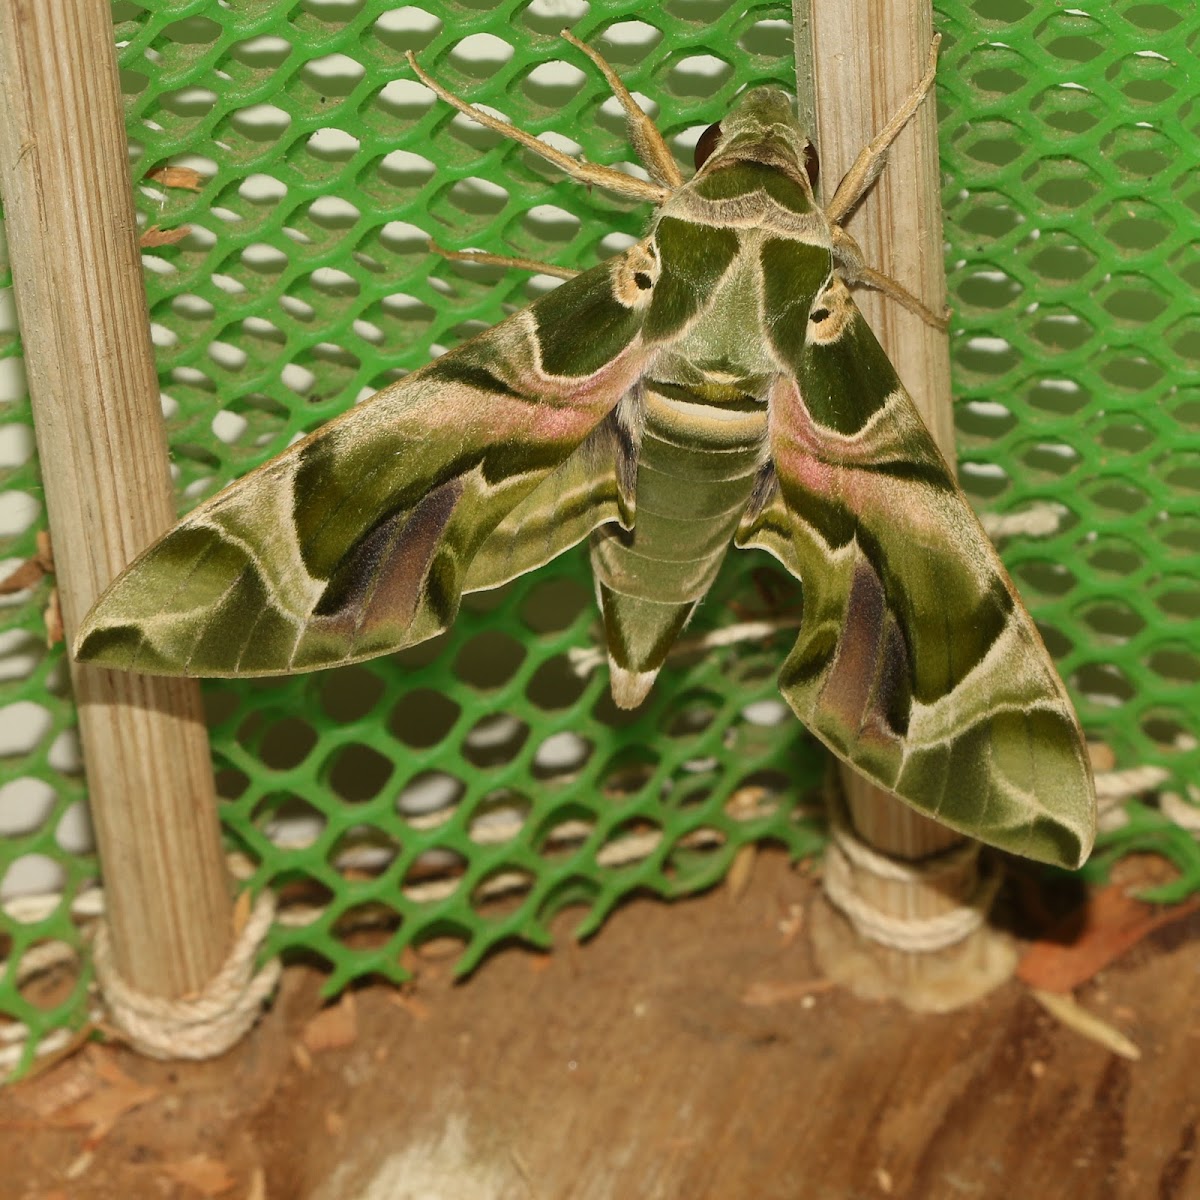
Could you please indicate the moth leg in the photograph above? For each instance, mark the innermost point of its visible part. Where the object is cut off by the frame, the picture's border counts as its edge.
(654, 152)
(866, 167)
(604, 177)
(503, 260)
(849, 257)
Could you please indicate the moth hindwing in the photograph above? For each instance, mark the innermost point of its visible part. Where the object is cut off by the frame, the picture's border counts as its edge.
(712, 386)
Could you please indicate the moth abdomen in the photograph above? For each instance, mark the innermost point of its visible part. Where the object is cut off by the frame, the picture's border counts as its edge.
(699, 458)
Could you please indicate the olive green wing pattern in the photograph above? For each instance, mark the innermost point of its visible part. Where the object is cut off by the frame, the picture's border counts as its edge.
(361, 539)
(916, 661)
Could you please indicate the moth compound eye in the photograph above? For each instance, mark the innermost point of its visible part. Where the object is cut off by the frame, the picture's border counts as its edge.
(812, 164)
(707, 144)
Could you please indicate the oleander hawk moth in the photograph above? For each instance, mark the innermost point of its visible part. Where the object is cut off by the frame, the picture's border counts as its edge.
(712, 385)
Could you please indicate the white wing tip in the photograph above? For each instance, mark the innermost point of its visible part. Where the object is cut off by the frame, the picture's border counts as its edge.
(630, 688)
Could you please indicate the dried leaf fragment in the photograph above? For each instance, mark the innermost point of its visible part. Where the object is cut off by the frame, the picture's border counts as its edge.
(208, 1176)
(52, 618)
(63, 1084)
(332, 1027)
(113, 1095)
(154, 236)
(32, 570)
(764, 995)
(1089, 939)
(177, 177)
(258, 1185)
(1078, 1018)
(413, 1005)
(741, 871)
(24, 576)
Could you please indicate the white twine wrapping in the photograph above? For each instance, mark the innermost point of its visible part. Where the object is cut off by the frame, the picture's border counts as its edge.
(846, 852)
(203, 1025)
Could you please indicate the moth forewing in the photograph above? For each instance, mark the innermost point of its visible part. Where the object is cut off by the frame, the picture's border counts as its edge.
(389, 507)
(713, 385)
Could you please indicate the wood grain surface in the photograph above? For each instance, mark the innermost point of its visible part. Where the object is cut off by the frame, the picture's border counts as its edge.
(645, 1065)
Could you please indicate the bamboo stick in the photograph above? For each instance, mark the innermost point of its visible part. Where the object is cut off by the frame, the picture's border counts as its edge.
(867, 56)
(82, 308)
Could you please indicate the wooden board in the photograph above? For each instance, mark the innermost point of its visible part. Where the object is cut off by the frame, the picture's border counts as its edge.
(634, 1068)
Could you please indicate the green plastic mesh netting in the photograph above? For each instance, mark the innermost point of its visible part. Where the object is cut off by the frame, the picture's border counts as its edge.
(474, 787)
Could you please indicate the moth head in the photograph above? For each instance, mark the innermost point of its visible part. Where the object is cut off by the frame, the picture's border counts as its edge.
(762, 126)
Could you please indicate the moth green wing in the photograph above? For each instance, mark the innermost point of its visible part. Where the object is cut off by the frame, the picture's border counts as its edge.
(590, 489)
(916, 662)
(361, 539)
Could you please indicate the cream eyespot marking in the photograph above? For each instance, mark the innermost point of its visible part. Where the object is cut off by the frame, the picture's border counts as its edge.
(831, 312)
(636, 274)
